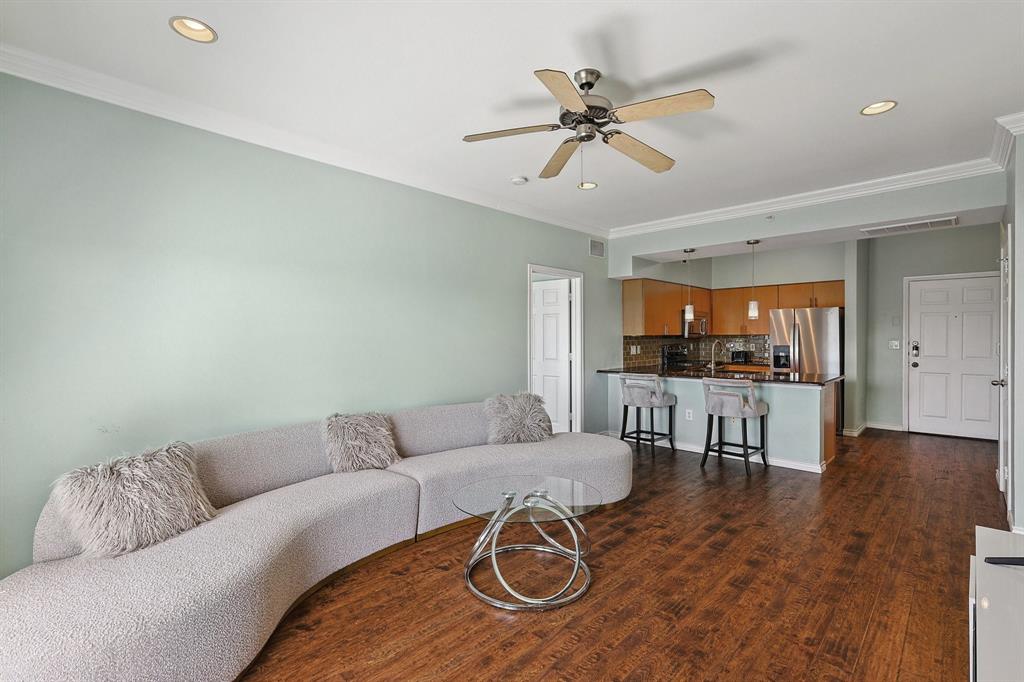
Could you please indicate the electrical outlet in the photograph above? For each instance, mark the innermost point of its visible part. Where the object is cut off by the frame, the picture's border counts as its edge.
(689, 415)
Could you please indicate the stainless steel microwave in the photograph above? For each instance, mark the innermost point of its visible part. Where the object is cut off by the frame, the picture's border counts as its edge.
(700, 325)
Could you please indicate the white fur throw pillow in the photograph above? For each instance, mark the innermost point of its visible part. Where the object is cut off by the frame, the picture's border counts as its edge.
(517, 418)
(359, 441)
(132, 502)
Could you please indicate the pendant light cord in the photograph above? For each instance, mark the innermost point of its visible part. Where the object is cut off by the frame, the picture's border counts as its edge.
(752, 271)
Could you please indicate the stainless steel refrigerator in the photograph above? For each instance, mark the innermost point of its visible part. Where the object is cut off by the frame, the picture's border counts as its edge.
(808, 340)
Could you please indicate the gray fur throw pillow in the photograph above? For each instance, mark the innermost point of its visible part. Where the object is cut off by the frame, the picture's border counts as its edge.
(517, 418)
(133, 502)
(359, 441)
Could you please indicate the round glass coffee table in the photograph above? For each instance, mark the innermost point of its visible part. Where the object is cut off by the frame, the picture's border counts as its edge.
(535, 500)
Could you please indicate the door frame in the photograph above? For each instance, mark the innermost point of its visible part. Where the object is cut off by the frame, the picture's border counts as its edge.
(1004, 473)
(905, 399)
(575, 336)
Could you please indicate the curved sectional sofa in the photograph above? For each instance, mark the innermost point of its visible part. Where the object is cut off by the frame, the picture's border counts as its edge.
(201, 605)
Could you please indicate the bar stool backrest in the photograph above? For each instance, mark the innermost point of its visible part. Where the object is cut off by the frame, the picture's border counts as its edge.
(642, 390)
(722, 399)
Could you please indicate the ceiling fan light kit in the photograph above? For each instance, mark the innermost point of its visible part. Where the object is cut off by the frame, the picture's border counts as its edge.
(588, 116)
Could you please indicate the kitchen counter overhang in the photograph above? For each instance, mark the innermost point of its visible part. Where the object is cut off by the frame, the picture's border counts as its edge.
(759, 377)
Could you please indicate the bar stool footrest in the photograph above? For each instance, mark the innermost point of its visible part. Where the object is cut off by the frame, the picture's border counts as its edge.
(751, 449)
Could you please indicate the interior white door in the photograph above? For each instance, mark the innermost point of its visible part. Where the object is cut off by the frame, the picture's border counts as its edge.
(954, 356)
(551, 375)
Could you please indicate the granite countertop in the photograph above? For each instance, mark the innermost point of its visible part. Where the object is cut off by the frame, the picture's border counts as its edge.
(756, 376)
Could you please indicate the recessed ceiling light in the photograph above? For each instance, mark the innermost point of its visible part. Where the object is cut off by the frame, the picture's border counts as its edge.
(878, 108)
(193, 29)
(519, 180)
(586, 184)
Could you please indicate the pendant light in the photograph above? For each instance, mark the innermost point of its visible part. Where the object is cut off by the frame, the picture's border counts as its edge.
(752, 311)
(688, 310)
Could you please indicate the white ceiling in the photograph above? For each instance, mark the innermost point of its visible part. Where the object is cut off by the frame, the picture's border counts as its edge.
(390, 88)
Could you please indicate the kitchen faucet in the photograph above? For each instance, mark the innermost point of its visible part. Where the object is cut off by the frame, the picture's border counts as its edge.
(713, 347)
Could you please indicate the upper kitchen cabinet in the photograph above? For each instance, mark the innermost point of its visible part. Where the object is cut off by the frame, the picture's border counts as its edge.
(729, 310)
(651, 307)
(701, 299)
(663, 308)
(796, 295)
(767, 299)
(831, 294)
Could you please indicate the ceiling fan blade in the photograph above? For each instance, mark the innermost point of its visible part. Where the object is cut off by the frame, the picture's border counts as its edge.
(560, 158)
(511, 131)
(638, 151)
(694, 100)
(562, 87)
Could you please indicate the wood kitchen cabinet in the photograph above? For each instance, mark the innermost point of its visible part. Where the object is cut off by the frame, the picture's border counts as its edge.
(729, 309)
(796, 295)
(701, 299)
(652, 308)
(663, 308)
(828, 294)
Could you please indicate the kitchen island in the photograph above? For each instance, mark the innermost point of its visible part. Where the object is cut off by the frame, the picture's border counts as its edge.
(801, 413)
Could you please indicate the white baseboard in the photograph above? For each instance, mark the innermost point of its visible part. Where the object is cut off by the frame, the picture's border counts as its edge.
(854, 433)
(883, 425)
(698, 449)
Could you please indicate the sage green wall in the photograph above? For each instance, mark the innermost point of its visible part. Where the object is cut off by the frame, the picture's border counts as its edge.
(696, 272)
(890, 259)
(160, 282)
(804, 264)
(856, 323)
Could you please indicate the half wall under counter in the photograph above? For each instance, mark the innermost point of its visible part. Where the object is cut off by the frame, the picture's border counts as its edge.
(801, 414)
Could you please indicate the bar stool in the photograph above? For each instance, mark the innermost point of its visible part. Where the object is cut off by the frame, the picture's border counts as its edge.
(647, 391)
(720, 400)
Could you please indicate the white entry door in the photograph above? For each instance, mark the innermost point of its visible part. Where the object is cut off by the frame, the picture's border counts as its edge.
(550, 352)
(953, 356)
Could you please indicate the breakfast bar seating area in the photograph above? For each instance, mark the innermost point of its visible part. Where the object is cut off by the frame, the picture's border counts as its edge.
(800, 429)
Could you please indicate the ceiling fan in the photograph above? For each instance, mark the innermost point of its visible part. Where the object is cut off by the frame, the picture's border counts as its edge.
(588, 115)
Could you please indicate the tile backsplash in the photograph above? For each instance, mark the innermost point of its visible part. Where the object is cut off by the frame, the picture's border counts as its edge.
(698, 350)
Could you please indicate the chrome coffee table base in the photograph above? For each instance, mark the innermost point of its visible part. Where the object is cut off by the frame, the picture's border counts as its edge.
(486, 547)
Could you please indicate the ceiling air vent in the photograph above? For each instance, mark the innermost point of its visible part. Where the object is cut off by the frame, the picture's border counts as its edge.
(938, 223)
(597, 248)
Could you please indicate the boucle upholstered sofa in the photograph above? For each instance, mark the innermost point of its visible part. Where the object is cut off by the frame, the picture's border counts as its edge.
(201, 605)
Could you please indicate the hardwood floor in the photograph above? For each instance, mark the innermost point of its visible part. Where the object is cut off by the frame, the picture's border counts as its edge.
(859, 574)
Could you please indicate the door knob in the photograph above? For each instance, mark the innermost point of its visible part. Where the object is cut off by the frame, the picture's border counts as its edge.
(914, 364)
(999, 382)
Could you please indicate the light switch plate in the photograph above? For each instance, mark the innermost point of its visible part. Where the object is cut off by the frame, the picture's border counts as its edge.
(894, 344)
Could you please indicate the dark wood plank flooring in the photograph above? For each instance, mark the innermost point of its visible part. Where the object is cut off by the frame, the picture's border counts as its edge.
(859, 574)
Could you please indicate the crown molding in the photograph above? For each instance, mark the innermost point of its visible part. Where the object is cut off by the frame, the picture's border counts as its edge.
(929, 176)
(1007, 127)
(95, 85)
(1012, 122)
